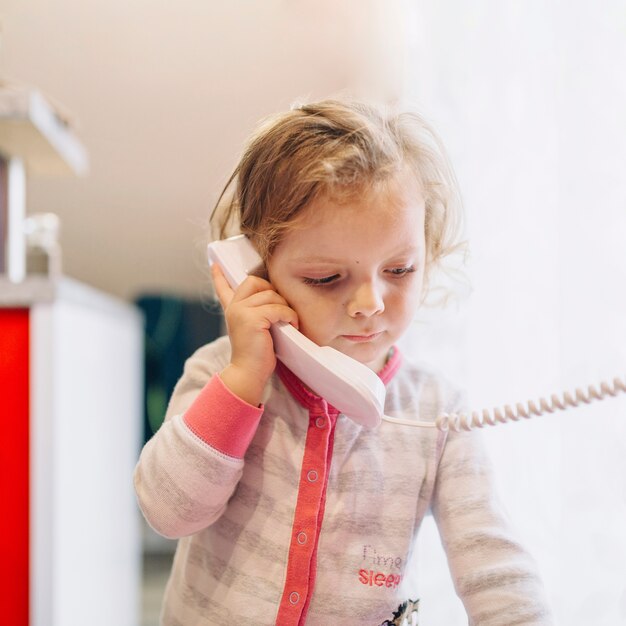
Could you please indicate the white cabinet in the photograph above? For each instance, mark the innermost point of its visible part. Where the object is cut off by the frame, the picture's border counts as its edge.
(71, 379)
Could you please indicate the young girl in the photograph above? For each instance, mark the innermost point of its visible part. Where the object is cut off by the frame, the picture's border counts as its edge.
(287, 511)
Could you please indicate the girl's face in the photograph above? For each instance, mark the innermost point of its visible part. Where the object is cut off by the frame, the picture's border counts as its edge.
(354, 271)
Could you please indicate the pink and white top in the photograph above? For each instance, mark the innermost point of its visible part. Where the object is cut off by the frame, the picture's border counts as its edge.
(291, 513)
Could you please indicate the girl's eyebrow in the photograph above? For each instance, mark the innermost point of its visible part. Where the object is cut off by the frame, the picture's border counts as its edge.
(324, 259)
(316, 259)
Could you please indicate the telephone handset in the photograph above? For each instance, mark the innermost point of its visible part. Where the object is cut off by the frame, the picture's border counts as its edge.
(353, 388)
(348, 385)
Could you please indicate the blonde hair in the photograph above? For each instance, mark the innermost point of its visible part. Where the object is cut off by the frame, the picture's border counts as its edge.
(339, 149)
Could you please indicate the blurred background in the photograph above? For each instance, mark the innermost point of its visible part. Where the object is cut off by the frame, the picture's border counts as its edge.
(529, 99)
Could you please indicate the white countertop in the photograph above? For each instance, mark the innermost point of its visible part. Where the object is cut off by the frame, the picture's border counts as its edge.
(40, 290)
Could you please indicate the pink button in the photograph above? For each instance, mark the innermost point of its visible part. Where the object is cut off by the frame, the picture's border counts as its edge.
(320, 422)
(301, 538)
(294, 597)
(311, 476)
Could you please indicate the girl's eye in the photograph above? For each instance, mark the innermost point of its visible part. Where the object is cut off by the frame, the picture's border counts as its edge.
(321, 281)
(401, 271)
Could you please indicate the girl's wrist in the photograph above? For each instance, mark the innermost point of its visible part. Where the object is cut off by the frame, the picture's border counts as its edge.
(244, 384)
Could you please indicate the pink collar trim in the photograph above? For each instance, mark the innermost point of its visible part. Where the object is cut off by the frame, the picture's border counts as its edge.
(391, 366)
(310, 400)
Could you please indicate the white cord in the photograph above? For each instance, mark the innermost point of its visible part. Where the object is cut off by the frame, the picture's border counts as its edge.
(462, 421)
(403, 422)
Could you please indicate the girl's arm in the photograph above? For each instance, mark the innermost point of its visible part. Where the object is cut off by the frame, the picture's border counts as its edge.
(190, 468)
(494, 575)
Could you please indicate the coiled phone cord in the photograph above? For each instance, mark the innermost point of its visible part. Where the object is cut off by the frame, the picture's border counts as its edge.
(476, 419)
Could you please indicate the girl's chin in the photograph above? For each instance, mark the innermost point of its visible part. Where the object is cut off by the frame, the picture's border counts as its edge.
(373, 357)
(378, 363)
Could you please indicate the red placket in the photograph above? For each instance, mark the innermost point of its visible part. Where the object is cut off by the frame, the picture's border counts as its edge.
(309, 513)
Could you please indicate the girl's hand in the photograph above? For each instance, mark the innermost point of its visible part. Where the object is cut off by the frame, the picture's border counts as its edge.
(249, 311)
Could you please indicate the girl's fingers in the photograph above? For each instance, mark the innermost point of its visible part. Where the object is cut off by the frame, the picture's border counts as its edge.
(264, 316)
(259, 298)
(251, 286)
(257, 294)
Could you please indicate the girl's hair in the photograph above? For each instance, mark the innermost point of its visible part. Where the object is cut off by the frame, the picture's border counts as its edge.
(340, 149)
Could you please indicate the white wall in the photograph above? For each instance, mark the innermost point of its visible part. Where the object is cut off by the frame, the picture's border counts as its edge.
(530, 99)
(163, 95)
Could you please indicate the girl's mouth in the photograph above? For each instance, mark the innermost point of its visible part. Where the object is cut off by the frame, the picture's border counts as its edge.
(362, 338)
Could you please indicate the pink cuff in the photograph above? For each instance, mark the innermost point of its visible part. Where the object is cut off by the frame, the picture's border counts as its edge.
(223, 420)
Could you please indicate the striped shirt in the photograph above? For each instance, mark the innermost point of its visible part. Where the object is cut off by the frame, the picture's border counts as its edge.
(292, 513)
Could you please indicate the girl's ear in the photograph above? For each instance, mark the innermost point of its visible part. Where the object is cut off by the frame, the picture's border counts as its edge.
(262, 245)
(261, 272)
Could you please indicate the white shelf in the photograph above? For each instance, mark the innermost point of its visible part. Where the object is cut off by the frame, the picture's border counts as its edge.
(31, 129)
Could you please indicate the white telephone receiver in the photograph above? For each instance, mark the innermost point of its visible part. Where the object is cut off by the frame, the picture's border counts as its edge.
(353, 388)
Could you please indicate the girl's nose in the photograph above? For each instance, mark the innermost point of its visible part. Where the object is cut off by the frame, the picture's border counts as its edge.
(367, 300)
